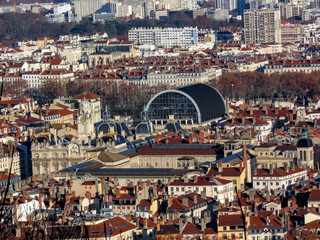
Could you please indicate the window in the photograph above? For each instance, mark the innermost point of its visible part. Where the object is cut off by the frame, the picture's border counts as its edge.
(156, 164)
(167, 164)
(177, 188)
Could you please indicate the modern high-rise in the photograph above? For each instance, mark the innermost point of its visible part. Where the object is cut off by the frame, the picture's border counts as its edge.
(164, 37)
(262, 26)
(87, 7)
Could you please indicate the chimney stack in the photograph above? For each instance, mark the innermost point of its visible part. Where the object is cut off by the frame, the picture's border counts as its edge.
(245, 160)
(185, 201)
(286, 168)
(220, 169)
(180, 224)
(145, 223)
(195, 198)
(268, 195)
(251, 194)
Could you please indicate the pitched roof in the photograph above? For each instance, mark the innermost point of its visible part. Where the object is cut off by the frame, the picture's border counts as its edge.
(149, 150)
(265, 220)
(314, 195)
(107, 156)
(230, 220)
(200, 180)
(277, 172)
(87, 95)
(231, 171)
(191, 229)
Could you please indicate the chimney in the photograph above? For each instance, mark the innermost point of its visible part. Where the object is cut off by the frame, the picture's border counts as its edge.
(286, 168)
(180, 224)
(145, 223)
(97, 187)
(195, 198)
(64, 218)
(211, 178)
(67, 198)
(271, 168)
(203, 194)
(227, 202)
(268, 195)
(240, 167)
(220, 169)
(195, 178)
(292, 165)
(245, 160)
(251, 194)
(88, 195)
(203, 224)
(268, 220)
(185, 201)
(118, 193)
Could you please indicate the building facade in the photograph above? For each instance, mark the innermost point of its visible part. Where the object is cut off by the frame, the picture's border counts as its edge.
(262, 26)
(164, 37)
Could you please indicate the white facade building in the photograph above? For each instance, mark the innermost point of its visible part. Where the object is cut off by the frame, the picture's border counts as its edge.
(61, 8)
(277, 179)
(32, 78)
(86, 7)
(165, 37)
(217, 188)
(28, 207)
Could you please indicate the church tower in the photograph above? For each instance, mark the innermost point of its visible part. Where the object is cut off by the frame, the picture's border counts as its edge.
(85, 122)
(305, 154)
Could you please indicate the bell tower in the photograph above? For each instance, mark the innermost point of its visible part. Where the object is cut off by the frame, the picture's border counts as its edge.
(85, 122)
(305, 153)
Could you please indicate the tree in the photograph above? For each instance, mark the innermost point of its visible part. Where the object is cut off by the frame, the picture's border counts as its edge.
(294, 234)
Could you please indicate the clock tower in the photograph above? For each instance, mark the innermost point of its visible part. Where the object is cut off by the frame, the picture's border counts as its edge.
(85, 122)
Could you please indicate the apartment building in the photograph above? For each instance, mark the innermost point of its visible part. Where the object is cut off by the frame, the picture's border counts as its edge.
(291, 32)
(217, 188)
(164, 37)
(262, 26)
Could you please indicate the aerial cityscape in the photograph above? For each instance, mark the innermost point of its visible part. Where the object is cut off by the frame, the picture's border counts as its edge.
(160, 120)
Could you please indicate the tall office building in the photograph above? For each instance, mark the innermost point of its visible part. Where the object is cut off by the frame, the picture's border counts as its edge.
(84, 8)
(262, 26)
